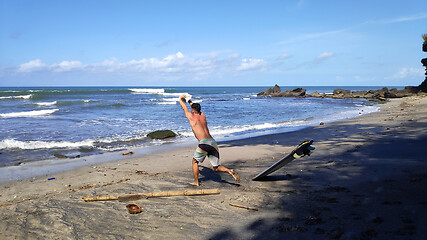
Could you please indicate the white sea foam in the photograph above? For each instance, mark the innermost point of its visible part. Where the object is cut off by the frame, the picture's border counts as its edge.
(177, 95)
(28, 114)
(221, 131)
(174, 100)
(262, 126)
(172, 94)
(27, 145)
(166, 103)
(170, 99)
(161, 91)
(20, 97)
(147, 90)
(5, 91)
(187, 95)
(246, 98)
(46, 103)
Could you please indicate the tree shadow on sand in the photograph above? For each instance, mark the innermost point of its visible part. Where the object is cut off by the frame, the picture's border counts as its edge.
(365, 191)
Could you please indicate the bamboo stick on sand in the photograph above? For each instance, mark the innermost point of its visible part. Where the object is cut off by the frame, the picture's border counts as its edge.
(245, 207)
(153, 194)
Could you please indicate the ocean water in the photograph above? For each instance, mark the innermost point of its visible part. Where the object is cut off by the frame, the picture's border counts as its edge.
(39, 123)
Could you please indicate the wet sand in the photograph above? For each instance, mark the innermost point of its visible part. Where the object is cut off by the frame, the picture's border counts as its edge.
(365, 180)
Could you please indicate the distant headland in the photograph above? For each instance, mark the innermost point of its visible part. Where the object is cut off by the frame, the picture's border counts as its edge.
(378, 95)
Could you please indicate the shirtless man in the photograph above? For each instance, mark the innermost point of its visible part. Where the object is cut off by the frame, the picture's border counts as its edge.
(207, 145)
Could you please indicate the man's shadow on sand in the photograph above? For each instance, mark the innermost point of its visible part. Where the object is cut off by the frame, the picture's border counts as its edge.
(207, 174)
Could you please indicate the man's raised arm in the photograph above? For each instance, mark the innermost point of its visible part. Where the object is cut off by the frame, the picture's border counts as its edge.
(183, 105)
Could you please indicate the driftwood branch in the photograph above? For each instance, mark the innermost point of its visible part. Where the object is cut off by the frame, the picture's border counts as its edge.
(240, 206)
(127, 197)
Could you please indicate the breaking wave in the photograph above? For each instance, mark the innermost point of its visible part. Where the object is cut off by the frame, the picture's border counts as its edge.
(37, 113)
(18, 97)
(147, 90)
(30, 145)
(46, 103)
(106, 144)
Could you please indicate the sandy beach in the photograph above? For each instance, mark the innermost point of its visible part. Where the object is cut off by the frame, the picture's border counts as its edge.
(365, 180)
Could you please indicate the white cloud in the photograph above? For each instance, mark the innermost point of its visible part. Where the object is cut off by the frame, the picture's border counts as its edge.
(408, 73)
(235, 55)
(34, 65)
(66, 66)
(285, 56)
(364, 79)
(250, 64)
(401, 19)
(309, 36)
(324, 55)
(38, 65)
(171, 64)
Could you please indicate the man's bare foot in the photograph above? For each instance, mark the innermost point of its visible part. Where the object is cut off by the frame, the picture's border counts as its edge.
(195, 184)
(235, 175)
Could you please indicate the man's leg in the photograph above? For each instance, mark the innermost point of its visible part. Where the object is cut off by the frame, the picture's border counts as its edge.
(195, 173)
(231, 172)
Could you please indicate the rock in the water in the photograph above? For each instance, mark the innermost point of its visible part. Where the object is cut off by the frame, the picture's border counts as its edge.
(359, 94)
(341, 91)
(375, 95)
(161, 134)
(267, 92)
(297, 92)
(276, 89)
(270, 91)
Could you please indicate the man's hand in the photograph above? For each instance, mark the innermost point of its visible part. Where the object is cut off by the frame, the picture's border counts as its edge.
(182, 97)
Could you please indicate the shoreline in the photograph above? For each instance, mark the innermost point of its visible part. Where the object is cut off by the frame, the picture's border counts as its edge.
(357, 165)
(46, 167)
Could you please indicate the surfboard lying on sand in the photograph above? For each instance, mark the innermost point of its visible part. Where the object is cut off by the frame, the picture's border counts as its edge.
(301, 150)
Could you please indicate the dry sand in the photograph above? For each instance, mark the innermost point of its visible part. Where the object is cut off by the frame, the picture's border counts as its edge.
(365, 180)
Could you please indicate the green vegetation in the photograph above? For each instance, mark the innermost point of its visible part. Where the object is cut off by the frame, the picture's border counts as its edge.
(425, 38)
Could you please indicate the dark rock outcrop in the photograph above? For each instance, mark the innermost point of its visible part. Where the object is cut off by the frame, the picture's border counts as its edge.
(378, 95)
(340, 91)
(276, 92)
(276, 89)
(318, 95)
(161, 134)
(270, 91)
(297, 92)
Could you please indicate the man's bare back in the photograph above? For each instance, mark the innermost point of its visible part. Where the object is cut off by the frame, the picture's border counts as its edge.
(199, 125)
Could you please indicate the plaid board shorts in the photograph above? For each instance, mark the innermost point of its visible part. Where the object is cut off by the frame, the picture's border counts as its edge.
(207, 147)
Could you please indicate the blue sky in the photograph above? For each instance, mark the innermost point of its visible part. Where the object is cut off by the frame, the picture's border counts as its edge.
(211, 43)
